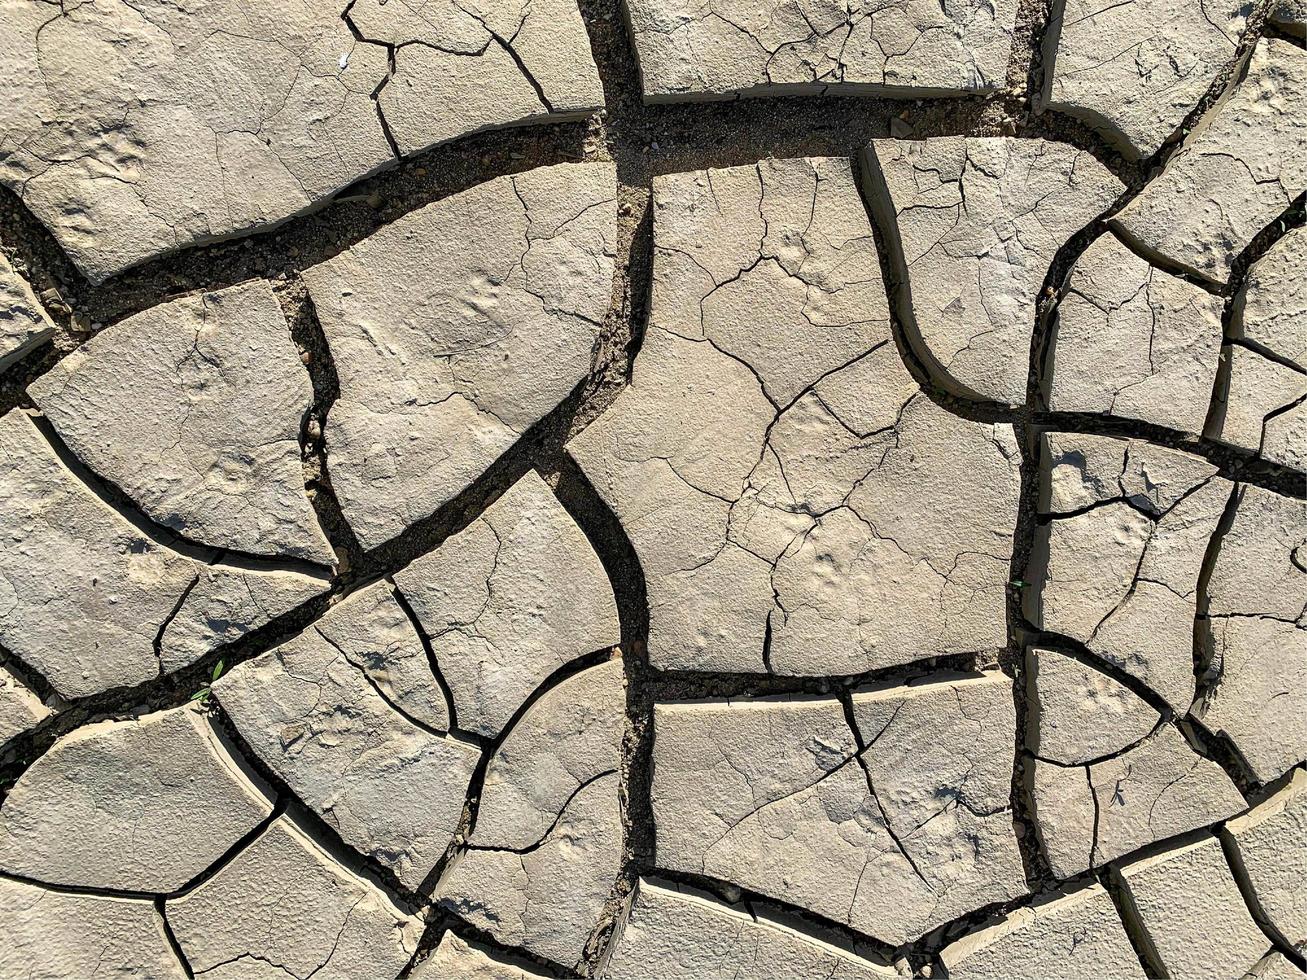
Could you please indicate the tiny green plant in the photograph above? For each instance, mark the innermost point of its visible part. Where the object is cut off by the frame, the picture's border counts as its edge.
(202, 695)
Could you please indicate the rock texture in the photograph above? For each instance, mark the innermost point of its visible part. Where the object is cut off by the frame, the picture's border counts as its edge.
(691, 49)
(1133, 341)
(671, 932)
(314, 714)
(20, 708)
(1118, 563)
(91, 600)
(193, 409)
(1258, 623)
(1234, 176)
(1191, 912)
(1270, 853)
(54, 935)
(1074, 934)
(24, 324)
(773, 461)
(972, 226)
(546, 897)
(1136, 70)
(780, 797)
(135, 129)
(457, 958)
(143, 805)
(454, 330)
(285, 907)
(1264, 409)
(508, 601)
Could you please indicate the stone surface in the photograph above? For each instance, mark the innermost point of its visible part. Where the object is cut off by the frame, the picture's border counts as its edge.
(132, 130)
(55, 935)
(283, 907)
(672, 933)
(569, 738)
(1118, 570)
(1274, 966)
(1077, 933)
(1265, 408)
(1235, 175)
(1270, 844)
(455, 329)
(1289, 16)
(456, 958)
(317, 717)
(1192, 913)
(20, 708)
(508, 601)
(85, 594)
(193, 409)
(776, 796)
(1271, 307)
(547, 897)
(1082, 714)
(1133, 341)
(1135, 70)
(972, 226)
(773, 462)
(1089, 815)
(142, 805)
(24, 324)
(692, 49)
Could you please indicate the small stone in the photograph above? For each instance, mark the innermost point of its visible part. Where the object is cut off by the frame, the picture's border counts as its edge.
(1071, 933)
(141, 805)
(52, 935)
(285, 901)
(508, 601)
(671, 933)
(1192, 913)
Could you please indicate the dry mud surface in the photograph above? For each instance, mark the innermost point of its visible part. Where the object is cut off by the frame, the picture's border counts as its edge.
(663, 489)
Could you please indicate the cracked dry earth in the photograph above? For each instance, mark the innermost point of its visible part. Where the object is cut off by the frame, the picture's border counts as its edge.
(673, 488)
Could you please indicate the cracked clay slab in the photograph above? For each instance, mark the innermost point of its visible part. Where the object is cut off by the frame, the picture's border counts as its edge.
(1135, 70)
(1238, 171)
(20, 707)
(24, 324)
(508, 601)
(193, 409)
(314, 712)
(454, 330)
(142, 805)
(672, 932)
(1071, 933)
(1133, 341)
(286, 903)
(972, 225)
(791, 494)
(892, 827)
(93, 601)
(693, 49)
(133, 129)
(1270, 851)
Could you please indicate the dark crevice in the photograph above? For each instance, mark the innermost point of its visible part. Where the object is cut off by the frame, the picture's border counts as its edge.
(162, 912)
(445, 691)
(1149, 958)
(1281, 942)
